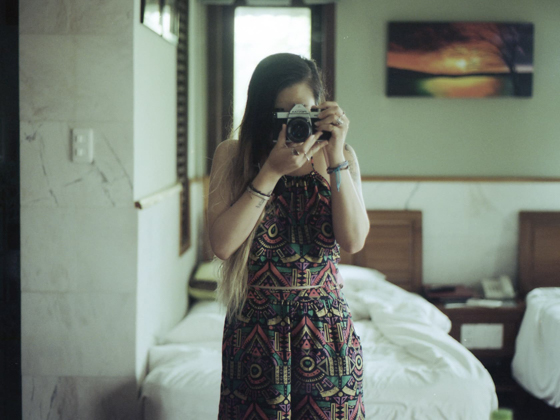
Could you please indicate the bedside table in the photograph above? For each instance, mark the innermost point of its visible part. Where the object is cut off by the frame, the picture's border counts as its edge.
(488, 324)
(468, 319)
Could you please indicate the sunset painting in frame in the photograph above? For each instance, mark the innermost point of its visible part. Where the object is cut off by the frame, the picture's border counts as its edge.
(460, 59)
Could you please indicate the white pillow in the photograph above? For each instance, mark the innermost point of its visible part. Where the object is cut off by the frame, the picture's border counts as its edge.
(355, 280)
(364, 287)
(204, 322)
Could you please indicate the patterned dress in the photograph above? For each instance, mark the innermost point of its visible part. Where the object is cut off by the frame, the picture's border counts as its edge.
(293, 352)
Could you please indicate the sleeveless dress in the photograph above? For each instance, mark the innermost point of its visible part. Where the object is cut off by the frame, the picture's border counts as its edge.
(293, 353)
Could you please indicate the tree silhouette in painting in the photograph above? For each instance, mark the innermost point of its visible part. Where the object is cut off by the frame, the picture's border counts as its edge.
(512, 44)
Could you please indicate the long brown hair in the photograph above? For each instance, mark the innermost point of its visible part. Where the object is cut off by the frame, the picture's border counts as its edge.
(272, 75)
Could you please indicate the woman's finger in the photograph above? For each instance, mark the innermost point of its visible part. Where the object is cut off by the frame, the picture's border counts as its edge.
(333, 119)
(282, 137)
(330, 108)
(316, 147)
(311, 140)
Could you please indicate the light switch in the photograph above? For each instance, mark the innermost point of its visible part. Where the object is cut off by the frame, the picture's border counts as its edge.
(82, 145)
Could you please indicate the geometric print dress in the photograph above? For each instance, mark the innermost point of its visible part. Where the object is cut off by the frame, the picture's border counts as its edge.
(292, 353)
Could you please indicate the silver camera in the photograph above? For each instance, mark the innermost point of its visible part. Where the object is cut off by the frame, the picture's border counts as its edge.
(300, 124)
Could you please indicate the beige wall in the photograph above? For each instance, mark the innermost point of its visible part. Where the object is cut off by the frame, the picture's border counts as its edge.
(447, 137)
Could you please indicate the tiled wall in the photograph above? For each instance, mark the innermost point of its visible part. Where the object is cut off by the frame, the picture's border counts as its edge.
(101, 280)
(79, 228)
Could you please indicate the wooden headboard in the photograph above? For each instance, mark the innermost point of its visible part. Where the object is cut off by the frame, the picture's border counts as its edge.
(394, 247)
(539, 250)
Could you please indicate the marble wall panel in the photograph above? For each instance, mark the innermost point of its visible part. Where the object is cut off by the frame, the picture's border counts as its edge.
(76, 77)
(75, 17)
(79, 249)
(47, 77)
(49, 178)
(79, 398)
(78, 334)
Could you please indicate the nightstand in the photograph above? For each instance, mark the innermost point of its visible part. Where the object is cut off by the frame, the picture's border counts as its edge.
(476, 322)
(495, 328)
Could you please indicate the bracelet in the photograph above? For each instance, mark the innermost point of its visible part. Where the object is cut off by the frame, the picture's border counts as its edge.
(336, 170)
(252, 190)
(343, 165)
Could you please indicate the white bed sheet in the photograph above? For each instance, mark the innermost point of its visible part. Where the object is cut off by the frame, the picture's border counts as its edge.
(413, 368)
(536, 363)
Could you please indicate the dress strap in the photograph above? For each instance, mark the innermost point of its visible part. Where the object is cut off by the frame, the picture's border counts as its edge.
(337, 286)
(312, 165)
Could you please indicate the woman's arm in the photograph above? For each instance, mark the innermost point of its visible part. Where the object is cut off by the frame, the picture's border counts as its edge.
(231, 223)
(350, 219)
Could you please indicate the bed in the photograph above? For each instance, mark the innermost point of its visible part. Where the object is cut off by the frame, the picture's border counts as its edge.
(536, 365)
(413, 368)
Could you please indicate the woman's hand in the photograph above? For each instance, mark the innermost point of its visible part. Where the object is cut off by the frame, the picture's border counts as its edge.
(334, 120)
(289, 157)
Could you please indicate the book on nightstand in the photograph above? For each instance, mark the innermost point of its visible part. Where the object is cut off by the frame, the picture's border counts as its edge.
(448, 293)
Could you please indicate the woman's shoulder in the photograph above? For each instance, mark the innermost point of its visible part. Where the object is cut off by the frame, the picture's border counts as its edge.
(228, 146)
(223, 157)
(225, 151)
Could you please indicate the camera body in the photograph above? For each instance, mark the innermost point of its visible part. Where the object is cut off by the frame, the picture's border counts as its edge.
(300, 124)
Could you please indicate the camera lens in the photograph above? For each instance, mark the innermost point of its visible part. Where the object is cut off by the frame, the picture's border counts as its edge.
(298, 130)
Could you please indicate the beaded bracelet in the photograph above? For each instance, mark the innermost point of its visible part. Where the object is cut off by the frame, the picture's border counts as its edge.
(336, 170)
(251, 189)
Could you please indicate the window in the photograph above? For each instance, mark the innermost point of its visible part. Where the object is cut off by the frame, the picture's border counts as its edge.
(271, 24)
(233, 51)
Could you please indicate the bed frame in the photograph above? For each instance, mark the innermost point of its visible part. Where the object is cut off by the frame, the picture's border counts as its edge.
(539, 250)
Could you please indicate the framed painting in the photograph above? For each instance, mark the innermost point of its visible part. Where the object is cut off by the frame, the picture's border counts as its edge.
(460, 59)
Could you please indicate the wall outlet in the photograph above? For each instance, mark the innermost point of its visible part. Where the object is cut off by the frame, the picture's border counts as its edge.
(82, 145)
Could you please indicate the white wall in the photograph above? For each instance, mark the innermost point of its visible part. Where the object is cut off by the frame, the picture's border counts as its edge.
(470, 229)
(162, 272)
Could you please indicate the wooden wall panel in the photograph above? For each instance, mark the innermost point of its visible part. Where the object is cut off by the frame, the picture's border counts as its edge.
(394, 247)
(539, 250)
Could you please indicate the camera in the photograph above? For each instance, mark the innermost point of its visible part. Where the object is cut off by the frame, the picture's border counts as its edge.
(300, 124)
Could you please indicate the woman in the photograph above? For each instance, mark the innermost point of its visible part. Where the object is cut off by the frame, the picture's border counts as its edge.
(289, 346)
